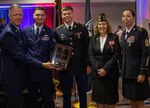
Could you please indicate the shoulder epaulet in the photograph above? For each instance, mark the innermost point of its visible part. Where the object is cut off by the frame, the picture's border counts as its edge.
(140, 28)
(60, 26)
(9, 29)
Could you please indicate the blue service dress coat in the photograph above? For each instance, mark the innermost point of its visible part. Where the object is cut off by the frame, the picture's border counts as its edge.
(40, 49)
(15, 55)
(14, 59)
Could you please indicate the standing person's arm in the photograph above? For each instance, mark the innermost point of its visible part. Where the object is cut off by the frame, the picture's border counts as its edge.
(144, 46)
(144, 70)
(15, 49)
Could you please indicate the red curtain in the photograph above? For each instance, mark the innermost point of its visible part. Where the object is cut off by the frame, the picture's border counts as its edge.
(50, 15)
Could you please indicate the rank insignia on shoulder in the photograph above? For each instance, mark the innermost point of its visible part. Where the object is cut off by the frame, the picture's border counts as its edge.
(60, 26)
(140, 28)
(146, 42)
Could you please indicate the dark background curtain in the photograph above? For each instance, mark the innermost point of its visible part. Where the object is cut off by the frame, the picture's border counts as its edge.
(28, 16)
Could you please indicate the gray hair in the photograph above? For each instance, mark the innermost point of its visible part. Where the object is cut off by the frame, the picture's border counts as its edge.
(13, 6)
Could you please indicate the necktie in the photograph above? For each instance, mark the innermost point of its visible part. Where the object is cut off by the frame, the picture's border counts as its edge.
(69, 28)
(37, 33)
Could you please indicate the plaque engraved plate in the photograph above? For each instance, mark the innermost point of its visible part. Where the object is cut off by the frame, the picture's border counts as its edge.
(61, 56)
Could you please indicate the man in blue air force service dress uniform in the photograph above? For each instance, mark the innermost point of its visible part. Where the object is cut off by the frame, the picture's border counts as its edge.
(40, 45)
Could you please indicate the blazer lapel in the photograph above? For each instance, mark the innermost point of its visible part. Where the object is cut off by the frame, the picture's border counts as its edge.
(97, 43)
(123, 35)
(16, 31)
(106, 45)
(32, 34)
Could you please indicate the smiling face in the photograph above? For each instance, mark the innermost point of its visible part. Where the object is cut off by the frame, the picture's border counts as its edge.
(67, 16)
(102, 27)
(15, 16)
(39, 17)
(127, 18)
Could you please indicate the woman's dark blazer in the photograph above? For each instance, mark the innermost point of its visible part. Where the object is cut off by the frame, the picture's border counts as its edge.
(106, 59)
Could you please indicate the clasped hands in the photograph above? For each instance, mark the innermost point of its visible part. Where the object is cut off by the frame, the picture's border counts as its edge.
(50, 66)
(101, 72)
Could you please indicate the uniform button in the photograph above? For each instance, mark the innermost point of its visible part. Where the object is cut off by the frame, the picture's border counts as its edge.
(36, 46)
(72, 53)
(71, 43)
(70, 38)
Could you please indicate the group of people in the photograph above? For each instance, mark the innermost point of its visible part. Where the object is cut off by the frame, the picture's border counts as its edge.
(105, 50)
(26, 59)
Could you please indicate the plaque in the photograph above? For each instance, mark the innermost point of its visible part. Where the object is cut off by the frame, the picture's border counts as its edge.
(61, 56)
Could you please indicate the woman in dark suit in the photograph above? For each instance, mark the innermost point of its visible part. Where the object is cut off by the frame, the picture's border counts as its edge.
(104, 51)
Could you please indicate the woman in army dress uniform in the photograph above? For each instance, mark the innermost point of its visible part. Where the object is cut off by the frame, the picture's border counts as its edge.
(104, 51)
(135, 60)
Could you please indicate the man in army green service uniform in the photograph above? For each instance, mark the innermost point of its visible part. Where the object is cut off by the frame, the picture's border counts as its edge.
(76, 36)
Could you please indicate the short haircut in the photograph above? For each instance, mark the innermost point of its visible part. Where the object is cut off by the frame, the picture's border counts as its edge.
(67, 8)
(132, 12)
(13, 6)
(40, 8)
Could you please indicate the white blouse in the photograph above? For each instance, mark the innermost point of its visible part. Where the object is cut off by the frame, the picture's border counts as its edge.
(102, 42)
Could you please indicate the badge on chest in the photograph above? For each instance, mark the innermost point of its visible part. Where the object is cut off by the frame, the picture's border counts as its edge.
(130, 40)
(45, 38)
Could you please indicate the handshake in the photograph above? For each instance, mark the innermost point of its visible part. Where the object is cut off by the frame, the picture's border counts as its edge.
(48, 65)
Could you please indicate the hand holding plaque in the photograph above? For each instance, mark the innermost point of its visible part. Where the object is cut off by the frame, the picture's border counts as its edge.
(61, 56)
(47, 65)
